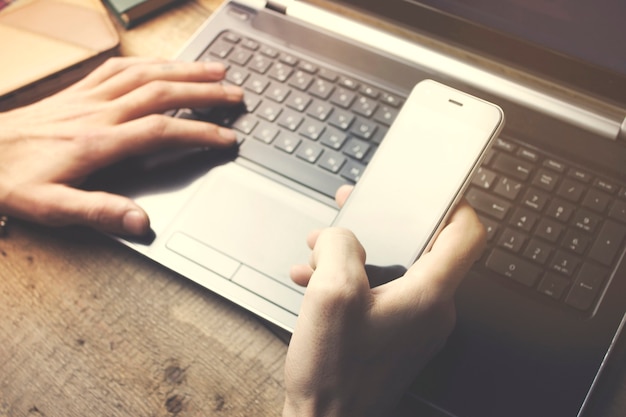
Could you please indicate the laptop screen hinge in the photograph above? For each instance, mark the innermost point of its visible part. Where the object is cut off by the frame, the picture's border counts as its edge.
(277, 5)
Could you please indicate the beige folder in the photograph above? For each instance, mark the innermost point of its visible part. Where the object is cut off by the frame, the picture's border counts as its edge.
(47, 44)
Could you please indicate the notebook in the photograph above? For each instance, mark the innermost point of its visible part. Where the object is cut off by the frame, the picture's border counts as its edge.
(538, 314)
(52, 44)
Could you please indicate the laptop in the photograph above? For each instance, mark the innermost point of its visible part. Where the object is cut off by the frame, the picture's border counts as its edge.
(539, 313)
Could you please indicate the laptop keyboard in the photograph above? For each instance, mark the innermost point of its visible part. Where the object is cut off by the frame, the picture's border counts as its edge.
(554, 230)
(301, 120)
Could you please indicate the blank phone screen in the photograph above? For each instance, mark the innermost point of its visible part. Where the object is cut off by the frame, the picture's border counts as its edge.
(418, 174)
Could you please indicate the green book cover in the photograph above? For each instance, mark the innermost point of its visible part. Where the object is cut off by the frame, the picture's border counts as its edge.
(131, 12)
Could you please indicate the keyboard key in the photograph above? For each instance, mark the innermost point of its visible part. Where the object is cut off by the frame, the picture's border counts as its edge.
(349, 83)
(328, 75)
(488, 204)
(334, 138)
(513, 167)
(343, 98)
(266, 132)
(257, 84)
(512, 240)
(524, 219)
(514, 267)
(586, 287)
(341, 119)
(231, 37)
(564, 263)
(332, 161)
(290, 119)
(571, 190)
(309, 152)
(250, 44)
(504, 145)
(370, 91)
(608, 242)
(245, 124)
(549, 230)
(237, 75)
(586, 220)
(553, 285)
(221, 49)
(545, 179)
(605, 185)
(538, 251)
(298, 101)
(269, 111)
(365, 106)
(352, 171)
(287, 143)
(508, 188)
(554, 165)
(392, 100)
(560, 210)
(301, 80)
(356, 149)
(385, 115)
(320, 110)
(576, 241)
(363, 128)
(525, 153)
(484, 178)
(535, 199)
(277, 92)
(280, 72)
(596, 200)
(491, 226)
(268, 51)
(288, 59)
(308, 67)
(579, 175)
(321, 89)
(240, 57)
(312, 129)
(618, 211)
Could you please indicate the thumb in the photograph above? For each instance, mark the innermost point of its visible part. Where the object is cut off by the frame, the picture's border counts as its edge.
(61, 205)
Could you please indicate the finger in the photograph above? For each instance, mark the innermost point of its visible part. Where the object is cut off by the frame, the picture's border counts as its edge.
(160, 96)
(141, 74)
(338, 258)
(440, 271)
(342, 194)
(110, 68)
(60, 205)
(338, 283)
(153, 133)
(301, 274)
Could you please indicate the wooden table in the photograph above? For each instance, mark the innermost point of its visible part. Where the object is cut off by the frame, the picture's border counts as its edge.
(89, 328)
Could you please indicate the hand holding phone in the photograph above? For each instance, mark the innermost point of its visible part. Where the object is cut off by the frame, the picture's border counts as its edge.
(419, 172)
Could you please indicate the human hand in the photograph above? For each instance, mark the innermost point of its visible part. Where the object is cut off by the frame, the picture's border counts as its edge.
(49, 147)
(356, 349)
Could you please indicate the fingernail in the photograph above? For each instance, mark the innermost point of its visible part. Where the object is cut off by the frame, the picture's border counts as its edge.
(227, 134)
(216, 68)
(233, 92)
(135, 223)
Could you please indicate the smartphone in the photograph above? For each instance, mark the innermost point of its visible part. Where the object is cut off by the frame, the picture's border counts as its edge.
(419, 173)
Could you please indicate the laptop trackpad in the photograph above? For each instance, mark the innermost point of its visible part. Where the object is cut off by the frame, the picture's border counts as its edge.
(254, 220)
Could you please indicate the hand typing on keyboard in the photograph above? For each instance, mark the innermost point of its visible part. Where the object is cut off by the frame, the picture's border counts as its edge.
(49, 147)
(356, 349)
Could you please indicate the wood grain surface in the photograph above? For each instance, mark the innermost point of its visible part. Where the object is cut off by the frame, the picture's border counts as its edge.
(89, 328)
